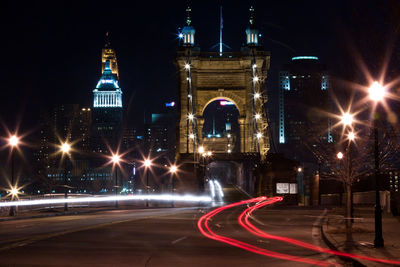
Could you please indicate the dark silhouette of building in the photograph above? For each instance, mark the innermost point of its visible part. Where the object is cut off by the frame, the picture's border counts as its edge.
(303, 102)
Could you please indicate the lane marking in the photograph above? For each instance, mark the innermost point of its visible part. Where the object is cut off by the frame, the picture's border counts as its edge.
(178, 240)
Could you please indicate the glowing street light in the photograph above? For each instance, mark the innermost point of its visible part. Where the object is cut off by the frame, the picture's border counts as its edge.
(116, 158)
(254, 66)
(259, 135)
(376, 92)
(65, 147)
(187, 66)
(339, 155)
(191, 116)
(209, 153)
(256, 79)
(14, 191)
(299, 169)
(228, 135)
(257, 116)
(173, 169)
(147, 163)
(257, 95)
(180, 35)
(347, 119)
(13, 141)
(191, 136)
(201, 149)
(351, 136)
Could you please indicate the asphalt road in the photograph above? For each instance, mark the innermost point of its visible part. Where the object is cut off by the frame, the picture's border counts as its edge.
(154, 237)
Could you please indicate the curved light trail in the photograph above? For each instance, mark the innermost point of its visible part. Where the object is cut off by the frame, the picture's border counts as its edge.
(162, 197)
(244, 221)
(203, 225)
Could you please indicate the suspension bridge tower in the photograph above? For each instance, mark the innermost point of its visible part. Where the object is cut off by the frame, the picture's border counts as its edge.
(235, 77)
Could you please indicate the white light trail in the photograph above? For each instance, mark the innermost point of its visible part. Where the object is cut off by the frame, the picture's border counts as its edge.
(212, 188)
(219, 188)
(163, 197)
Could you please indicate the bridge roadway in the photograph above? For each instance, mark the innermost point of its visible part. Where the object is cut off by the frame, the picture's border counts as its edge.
(152, 237)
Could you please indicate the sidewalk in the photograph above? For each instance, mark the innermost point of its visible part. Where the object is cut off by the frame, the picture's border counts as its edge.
(333, 230)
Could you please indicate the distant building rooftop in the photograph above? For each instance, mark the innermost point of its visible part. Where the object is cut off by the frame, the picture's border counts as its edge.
(304, 57)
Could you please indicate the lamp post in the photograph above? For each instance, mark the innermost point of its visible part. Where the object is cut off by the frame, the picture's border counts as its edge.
(115, 160)
(376, 94)
(173, 169)
(351, 136)
(13, 141)
(147, 165)
(347, 121)
(65, 148)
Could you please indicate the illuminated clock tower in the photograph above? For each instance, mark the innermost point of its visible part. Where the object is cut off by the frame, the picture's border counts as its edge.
(107, 106)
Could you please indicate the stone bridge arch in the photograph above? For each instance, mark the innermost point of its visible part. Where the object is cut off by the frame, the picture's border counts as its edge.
(213, 77)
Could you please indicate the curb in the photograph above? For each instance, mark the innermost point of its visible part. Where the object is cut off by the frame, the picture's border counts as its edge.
(53, 215)
(330, 244)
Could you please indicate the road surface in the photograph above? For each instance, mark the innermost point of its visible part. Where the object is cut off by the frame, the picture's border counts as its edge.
(155, 237)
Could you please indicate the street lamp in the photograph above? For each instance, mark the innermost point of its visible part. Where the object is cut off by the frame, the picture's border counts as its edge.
(377, 93)
(147, 164)
(65, 148)
(347, 119)
(339, 155)
(13, 141)
(115, 160)
(351, 136)
(201, 149)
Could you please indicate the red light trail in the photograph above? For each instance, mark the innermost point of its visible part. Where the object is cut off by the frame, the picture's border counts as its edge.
(203, 225)
(243, 220)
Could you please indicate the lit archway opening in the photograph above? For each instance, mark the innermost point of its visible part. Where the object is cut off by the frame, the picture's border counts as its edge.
(221, 131)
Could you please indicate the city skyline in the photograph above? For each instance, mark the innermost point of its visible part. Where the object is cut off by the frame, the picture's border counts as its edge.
(200, 133)
(78, 48)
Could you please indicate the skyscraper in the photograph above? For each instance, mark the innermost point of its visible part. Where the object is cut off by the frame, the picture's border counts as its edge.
(303, 99)
(107, 106)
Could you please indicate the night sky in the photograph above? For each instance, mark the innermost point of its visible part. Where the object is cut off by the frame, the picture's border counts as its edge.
(51, 51)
